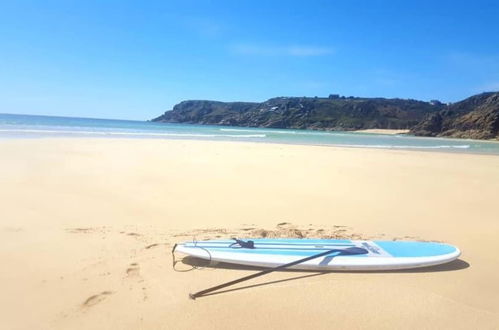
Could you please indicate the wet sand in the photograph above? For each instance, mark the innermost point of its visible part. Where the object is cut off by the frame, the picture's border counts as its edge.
(384, 131)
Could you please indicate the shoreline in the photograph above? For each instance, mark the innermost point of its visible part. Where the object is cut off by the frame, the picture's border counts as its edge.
(54, 127)
(383, 131)
(430, 149)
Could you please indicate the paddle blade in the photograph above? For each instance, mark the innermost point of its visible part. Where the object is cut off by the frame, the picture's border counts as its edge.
(352, 251)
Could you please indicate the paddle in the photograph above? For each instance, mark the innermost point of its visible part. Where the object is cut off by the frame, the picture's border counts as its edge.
(331, 253)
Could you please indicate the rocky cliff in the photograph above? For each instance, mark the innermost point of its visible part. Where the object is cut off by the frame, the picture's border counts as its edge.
(476, 117)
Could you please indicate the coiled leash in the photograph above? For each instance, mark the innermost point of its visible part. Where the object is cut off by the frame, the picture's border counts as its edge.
(175, 261)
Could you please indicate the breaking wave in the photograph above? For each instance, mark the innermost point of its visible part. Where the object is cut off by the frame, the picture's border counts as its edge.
(275, 131)
(383, 146)
(103, 133)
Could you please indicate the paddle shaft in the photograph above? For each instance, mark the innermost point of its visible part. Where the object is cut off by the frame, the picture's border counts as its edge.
(263, 272)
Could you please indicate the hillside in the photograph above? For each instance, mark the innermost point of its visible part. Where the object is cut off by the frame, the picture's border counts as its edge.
(476, 117)
(334, 113)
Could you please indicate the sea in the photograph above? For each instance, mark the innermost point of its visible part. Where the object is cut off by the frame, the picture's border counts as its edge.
(15, 126)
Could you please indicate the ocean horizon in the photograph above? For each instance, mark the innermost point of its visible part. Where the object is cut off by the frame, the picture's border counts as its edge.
(13, 126)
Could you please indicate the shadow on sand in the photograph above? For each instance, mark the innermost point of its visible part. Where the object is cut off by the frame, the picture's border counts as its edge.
(196, 263)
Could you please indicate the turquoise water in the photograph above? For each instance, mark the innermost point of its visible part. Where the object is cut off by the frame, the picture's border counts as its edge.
(29, 126)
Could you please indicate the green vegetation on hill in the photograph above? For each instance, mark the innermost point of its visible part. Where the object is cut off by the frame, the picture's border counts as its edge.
(305, 112)
(475, 117)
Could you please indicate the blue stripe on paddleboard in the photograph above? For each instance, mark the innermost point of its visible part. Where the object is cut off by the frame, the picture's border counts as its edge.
(276, 252)
(211, 243)
(218, 247)
(415, 249)
(281, 241)
(288, 240)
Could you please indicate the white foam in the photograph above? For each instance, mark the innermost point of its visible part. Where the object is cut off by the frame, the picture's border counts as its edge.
(464, 146)
(240, 136)
(283, 132)
(132, 133)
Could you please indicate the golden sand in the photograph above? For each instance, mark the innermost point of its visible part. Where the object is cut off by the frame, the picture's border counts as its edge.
(87, 225)
(384, 131)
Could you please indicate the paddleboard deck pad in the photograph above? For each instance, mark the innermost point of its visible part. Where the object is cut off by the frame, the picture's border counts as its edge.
(376, 255)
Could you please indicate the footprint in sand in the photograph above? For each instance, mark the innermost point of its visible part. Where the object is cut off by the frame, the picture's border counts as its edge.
(86, 230)
(133, 270)
(150, 246)
(96, 298)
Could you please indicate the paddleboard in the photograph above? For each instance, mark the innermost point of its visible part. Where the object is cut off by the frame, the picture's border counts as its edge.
(375, 255)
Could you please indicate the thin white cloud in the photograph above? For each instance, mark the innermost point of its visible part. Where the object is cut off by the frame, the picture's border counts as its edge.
(293, 50)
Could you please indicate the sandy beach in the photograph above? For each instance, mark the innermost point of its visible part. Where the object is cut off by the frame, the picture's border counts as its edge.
(87, 226)
(383, 131)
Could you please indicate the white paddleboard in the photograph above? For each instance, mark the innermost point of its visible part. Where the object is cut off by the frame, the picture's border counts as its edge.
(377, 255)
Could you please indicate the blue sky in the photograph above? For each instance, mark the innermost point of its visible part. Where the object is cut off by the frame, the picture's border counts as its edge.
(136, 59)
